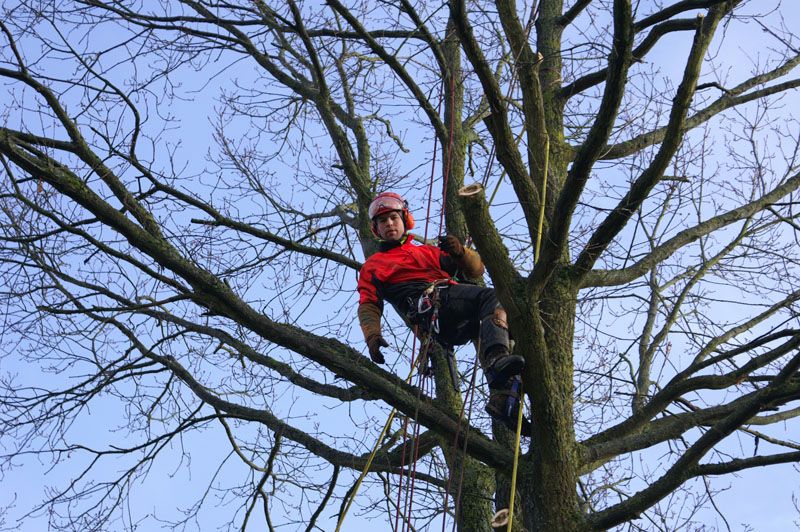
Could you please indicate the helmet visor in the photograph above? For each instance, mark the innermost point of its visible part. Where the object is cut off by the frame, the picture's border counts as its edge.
(385, 204)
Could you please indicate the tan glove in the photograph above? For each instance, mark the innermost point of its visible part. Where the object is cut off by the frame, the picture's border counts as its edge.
(451, 245)
(468, 261)
(369, 317)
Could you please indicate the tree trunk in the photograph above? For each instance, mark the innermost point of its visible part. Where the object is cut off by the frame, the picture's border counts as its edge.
(548, 481)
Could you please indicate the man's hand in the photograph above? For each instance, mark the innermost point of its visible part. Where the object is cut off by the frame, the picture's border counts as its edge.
(374, 343)
(451, 245)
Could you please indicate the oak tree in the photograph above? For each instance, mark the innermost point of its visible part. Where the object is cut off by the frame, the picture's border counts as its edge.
(184, 210)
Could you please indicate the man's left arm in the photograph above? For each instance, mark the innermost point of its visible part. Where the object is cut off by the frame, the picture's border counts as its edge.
(466, 260)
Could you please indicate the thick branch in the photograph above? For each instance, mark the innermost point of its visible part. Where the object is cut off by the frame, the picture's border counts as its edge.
(683, 383)
(675, 9)
(488, 241)
(638, 53)
(674, 426)
(741, 464)
(214, 294)
(732, 98)
(641, 188)
(526, 63)
(497, 121)
(572, 13)
(619, 61)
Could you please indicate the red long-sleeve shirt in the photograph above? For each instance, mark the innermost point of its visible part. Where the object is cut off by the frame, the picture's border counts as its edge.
(408, 262)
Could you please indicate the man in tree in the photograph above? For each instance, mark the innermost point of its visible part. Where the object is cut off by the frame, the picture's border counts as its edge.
(418, 280)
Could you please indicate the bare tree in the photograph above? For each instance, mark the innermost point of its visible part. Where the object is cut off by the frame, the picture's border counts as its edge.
(184, 210)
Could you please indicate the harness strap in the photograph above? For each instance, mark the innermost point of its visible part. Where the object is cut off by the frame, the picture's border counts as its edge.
(427, 306)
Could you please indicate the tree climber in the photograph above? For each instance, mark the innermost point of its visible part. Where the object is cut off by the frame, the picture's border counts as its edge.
(418, 280)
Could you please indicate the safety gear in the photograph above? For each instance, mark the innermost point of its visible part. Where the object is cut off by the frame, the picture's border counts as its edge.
(504, 403)
(451, 245)
(500, 317)
(388, 202)
(369, 317)
(501, 366)
(402, 270)
(468, 262)
(374, 343)
(470, 265)
(424, 311)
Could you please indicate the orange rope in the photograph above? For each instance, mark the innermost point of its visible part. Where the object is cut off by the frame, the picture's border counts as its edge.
(412, 481)
(449, 162)
(408, 504)
(471, 401)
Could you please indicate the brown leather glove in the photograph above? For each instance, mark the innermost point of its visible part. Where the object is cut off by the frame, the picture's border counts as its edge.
(451, 245)
(374, 343)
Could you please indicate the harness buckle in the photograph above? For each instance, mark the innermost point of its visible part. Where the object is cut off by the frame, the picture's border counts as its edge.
(428, 302)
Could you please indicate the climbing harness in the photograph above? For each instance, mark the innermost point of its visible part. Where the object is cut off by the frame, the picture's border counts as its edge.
(424, 312)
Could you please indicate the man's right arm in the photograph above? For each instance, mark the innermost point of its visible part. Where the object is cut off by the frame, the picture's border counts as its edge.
(369, 317)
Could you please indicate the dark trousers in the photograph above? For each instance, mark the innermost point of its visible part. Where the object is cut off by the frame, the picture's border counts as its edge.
(465, 314)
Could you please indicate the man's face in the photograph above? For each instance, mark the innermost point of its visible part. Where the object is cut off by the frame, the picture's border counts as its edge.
(390, 226)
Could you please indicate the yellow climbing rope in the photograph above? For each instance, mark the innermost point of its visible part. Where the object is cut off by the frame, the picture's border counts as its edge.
(521, 389)
(369, 460)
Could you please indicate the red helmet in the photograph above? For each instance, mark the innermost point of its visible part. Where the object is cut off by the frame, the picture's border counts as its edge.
(388, 202)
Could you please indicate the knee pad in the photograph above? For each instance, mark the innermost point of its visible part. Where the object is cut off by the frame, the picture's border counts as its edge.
(500, 318)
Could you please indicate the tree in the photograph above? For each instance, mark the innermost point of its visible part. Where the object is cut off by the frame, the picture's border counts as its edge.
(649, 159)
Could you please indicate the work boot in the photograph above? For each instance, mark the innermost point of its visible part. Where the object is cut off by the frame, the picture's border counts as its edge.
(504, 403)
(501, 366)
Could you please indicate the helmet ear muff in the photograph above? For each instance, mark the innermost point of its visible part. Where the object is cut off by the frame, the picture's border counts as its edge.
(408, 219)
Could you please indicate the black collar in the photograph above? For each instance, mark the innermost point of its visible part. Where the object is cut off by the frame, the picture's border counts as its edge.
(386, 245)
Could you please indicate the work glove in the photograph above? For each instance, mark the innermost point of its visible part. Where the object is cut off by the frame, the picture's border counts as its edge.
(374, 343)
(451, 245)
